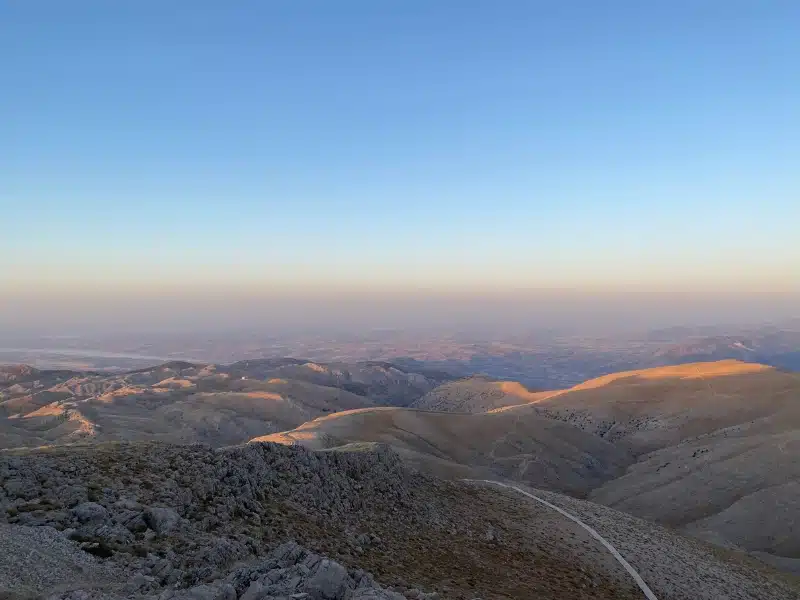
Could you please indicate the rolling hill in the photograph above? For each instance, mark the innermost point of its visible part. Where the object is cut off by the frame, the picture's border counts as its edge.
(704, 447)
(527, 448)
(717, 447)
(189, 403)
(475, 395)
(653, 408)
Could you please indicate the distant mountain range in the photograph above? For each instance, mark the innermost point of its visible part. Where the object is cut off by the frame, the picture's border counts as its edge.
(540, 360)
(779, 349)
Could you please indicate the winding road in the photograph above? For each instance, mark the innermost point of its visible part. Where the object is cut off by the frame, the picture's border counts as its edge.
(633, 573)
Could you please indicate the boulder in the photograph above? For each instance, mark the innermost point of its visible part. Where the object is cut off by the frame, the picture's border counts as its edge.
(90, 512)
(254, 592)
(328, 582)
(162, 520)
(216, 591)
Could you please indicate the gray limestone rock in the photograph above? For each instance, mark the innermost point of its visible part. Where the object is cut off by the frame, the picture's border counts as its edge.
(190, 522)
(254, 592)
(329, 581)
(162, 520)
(90, 511)
(208, 592)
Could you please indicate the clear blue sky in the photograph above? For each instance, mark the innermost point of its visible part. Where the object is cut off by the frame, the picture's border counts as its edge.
(418, 143)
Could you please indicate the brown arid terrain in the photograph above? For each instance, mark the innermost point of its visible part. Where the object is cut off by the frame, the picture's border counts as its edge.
(717, 446)
(475, 395)
(652, 408)
(187, 403)
(703, 447)
(151, 520)
(534, 449)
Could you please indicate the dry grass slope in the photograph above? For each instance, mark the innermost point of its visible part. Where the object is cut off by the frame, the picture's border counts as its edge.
(717, 444)
(525, 447)
(477, 394)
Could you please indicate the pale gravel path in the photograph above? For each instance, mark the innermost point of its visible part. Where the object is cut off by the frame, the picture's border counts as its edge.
(633, 573)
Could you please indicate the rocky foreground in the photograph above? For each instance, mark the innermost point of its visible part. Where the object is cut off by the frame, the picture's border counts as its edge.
(288, 572)
(159, 521)
(173, 520)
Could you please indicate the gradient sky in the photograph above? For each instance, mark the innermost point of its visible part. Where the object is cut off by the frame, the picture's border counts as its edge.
(436, 145)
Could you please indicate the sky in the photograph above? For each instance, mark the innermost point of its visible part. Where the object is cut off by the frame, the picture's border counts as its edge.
(259, 152)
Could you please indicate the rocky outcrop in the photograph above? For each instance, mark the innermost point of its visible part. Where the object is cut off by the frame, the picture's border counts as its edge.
(290, 572)
(161, 520)
(177, 517)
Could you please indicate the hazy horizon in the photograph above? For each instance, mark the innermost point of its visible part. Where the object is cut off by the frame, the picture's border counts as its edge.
(412, 165)
(574, 311)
